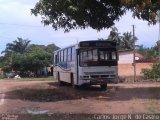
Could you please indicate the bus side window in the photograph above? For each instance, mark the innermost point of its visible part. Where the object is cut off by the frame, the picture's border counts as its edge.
(59, 55)
(69, 54)
(55, 59)
(73, 53)
(62, 56)
(65, 55)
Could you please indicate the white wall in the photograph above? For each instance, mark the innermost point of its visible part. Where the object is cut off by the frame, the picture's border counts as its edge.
(125, 57)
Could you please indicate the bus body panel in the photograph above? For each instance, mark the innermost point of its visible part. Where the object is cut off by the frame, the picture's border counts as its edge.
(65, 69)
(89, 75)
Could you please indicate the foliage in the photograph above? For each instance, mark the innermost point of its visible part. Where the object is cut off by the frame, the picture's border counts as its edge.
(18, 46)
(153, 73)
(128, 41)
(51, 47)
(97, 14)
(157, 47)
(6, 63)
(23, 57)
(150, 53)
(33, 61)
(1, 61)
(124, 42)
(114, 35)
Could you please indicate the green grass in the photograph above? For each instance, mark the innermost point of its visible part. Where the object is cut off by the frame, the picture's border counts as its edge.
(151, 110)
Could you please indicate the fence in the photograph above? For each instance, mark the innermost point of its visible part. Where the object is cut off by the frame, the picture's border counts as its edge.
(126, 71)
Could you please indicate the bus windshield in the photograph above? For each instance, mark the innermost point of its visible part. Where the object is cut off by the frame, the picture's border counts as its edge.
(98, 57)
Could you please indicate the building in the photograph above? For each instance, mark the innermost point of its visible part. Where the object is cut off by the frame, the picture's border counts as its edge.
(125, 64)
(126, 57)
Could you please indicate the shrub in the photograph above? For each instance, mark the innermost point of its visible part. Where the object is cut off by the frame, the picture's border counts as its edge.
(153, 73)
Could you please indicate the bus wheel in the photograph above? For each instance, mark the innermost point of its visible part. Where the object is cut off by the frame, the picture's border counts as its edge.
(72, 80)
(104, 86)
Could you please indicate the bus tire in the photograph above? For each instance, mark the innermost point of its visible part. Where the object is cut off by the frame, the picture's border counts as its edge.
(72, 80)
(104, 86)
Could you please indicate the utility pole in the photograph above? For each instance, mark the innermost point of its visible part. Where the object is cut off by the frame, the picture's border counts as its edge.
(158, 19)
(159, 35)
(134, 52)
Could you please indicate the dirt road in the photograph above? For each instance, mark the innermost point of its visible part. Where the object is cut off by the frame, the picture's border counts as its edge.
(47, 97)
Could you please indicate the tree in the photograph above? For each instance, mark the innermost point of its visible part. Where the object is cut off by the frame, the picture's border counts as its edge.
(143, 51)
(153, 73)
(35, 59)
(128, 42)
(124, 42)
(6, 63)
(51, 47)
(115, 36)
(97, 14)
(149, 53)
(157, 46)
(18, 46)
(23, 57)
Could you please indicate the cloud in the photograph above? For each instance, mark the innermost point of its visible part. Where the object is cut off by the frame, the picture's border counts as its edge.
(18, 12)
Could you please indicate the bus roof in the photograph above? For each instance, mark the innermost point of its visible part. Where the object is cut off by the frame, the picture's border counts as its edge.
(91, 43)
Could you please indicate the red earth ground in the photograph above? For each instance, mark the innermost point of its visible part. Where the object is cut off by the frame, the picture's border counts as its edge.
(20, 97)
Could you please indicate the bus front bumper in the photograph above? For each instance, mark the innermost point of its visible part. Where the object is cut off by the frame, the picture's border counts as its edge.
(100, 81)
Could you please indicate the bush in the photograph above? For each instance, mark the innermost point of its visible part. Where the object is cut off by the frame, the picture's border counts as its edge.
(153, 73)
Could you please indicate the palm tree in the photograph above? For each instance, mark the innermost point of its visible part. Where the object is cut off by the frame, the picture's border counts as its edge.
(123, 42)
(128, 41)
(114, 35)
(18, 46)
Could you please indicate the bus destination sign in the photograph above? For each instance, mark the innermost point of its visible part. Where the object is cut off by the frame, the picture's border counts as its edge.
(108, 44)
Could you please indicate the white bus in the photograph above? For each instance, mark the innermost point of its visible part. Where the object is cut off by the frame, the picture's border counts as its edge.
(87, 63)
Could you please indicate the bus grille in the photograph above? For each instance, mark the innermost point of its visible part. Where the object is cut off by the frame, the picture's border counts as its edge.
(102, 76)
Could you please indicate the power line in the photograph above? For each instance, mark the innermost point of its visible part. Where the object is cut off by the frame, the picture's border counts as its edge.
(22, 25)
(6, 37)
(15, 24)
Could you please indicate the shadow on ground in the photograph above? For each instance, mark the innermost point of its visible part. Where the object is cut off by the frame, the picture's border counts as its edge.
(54, 93)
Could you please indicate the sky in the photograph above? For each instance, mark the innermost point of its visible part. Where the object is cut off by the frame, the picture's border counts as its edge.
(16, 21)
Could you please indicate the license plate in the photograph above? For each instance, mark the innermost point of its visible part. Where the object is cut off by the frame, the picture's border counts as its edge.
(99, 80)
